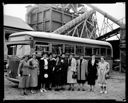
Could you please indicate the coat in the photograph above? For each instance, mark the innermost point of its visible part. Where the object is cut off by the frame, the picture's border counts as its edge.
(82, 72)
(64, 67)
(103, 69)
(24, 70)
(34, 72)
(44, 71)
(92, 72)
(57, 73)
(71, 69)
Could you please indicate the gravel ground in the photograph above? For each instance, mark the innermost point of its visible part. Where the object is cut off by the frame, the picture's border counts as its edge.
(116, 91)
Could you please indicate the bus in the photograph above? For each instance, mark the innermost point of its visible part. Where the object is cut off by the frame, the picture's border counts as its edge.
(29, 42)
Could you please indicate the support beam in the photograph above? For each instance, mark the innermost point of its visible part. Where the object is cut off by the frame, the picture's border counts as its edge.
(107, 15)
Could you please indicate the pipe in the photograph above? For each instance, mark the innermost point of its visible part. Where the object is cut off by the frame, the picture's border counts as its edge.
(73, 22)
(107, 15)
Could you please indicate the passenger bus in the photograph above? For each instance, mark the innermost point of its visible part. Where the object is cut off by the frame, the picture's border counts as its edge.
(29, 42)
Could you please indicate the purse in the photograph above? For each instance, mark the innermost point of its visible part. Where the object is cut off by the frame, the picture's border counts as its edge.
(74, 75)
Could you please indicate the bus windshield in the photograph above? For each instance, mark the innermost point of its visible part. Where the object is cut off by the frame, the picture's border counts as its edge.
(18, 50)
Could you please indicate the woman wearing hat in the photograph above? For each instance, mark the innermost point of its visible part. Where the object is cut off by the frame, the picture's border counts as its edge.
(92, 72)
(71, 69)
(34, 72)
(44, 73)
(24, 74)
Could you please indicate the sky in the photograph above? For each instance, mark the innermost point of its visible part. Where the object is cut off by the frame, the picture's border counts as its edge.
(116, 10)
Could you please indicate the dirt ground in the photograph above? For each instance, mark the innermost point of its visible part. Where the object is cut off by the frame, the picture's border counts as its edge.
(115, 87)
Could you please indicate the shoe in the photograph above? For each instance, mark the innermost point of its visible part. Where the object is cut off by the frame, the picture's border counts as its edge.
(44, 90)
(25, 93)
(101, 91)
(83, 89)
(72, 89)
(41, 90)
(32, 92)
(78, 89)
(105, 92)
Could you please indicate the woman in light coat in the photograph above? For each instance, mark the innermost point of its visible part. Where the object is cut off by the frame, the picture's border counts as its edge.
(81, 72)
(103, 69)
(34, 72)
(71, 69)
(24, 74)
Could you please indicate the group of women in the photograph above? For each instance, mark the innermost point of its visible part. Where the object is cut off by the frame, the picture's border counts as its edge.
(54, 72)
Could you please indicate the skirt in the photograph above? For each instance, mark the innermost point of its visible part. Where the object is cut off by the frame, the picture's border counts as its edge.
(24, 81)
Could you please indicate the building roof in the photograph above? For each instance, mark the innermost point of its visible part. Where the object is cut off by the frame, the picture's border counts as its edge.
(15, 22)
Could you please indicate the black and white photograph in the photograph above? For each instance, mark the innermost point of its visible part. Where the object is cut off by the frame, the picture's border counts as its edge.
(65, 51)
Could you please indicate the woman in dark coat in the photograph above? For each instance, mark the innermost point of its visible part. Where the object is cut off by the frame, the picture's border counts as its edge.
(64, 67)
(51, 66)
(44, 73)
(92, 72)
(57, 73)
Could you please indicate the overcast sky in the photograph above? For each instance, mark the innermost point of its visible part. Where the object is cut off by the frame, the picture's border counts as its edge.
(116, 10)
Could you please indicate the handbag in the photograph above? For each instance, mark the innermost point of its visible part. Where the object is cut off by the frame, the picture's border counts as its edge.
(74, 75)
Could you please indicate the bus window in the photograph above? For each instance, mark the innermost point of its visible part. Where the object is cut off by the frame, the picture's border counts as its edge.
(57, 48)
(19, 50)
(88, 51)
(41, 47)
(69, 49)
(79, 50)
(96, 51)
(22, 50)
(103, 51)
(108, 52)
(10, 50)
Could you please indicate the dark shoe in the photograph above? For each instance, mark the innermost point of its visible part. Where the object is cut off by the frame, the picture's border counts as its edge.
(78, 89)
(25, 93)
(83, 89)
(72, 89)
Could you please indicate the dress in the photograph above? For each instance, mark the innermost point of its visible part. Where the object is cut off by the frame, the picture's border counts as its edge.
(102, 71)
(44, 72)
(64, 67)
(52, 64)
(71, 69)
(34, 72)
(57, 73)
(82, 70)
(23, 69)
(92, 72)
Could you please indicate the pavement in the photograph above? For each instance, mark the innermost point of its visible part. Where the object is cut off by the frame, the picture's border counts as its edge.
(115, 86)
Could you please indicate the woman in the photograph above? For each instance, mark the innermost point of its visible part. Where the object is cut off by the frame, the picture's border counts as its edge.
(64, 67)
(44, 73)
(34, 72)
(57, 72)
(92, 72)
(103, 69)
(71, 70)
(81, 72)
(52, 64)
(24, 74)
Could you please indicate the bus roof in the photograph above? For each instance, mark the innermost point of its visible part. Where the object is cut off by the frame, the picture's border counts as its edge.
(61, 37)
